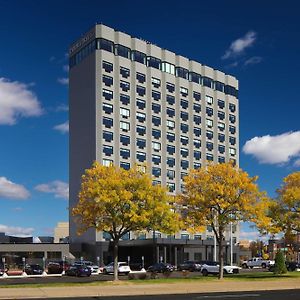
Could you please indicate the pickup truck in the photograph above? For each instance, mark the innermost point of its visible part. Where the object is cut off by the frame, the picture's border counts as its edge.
(257, 262)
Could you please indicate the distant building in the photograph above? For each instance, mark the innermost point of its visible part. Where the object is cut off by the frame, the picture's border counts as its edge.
(61, 232)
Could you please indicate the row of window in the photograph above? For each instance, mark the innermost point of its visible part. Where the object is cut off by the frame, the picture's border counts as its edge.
(150, 61)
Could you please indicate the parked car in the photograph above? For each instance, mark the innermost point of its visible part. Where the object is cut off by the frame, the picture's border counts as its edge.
(3, 269)
(189, 265)
(161, 268)
(78, 270)
(57, 267)
(212, 267)
(123, 268)
(290, 265)
(34, 269)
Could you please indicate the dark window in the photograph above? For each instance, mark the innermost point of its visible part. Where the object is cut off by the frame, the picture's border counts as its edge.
(232, 118)
(170, 149)
(221, 115)
(108, 136)
(141, 130)
(209, 134)
(197, 96)
(125, 165)
(153, 62)
(107, 108)
(156, 95)
(221, 149)
(197, 120)
(181, 72)
(197, 165)
(141, 104)
(171, 174)
(170, 161)
(170, 99)
(108, 150)
(184, 164)
(141, 90)
(184, 152)
(195, 77)
(209, 146)
(197, 108)
(170, 136)
(232, 140)
(170, 87)
(207, 82)
(107, 122)
(140, 156)
(184, 127)
(184, 115)
(209, 157)
(221, 103)
(108, 95)
(124, 140)
(156, 182)
(156, 172)
(105, 45)
(122, 51)
(140, 117)
(231, 129)
(141, 143)
(230, 90)
(219, 86)
(156, 108)
(107, 80)
(184, 140)
(197, 131)
(183, 174)
(125, 86)
(232, 107)
(221, 137)
(141, 78)
(124, 72)
(197, 155)
(155, 82)
(124, 153)
(156, 159)
(221, 159)
(170, 112)
(156, 121)
(138, 56)
(184, 104)
(197, 144)
(125, 99)
(221, 126)
(209, 111)
(108, 67)
(156, 133)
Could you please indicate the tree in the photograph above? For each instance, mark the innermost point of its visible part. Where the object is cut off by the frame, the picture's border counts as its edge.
(280, 267)
(118, 201)
(219, 194)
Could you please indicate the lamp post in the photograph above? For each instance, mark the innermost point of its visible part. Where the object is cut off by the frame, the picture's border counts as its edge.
(44, 266)
(64, 266)
(231, 245)
(4, 270)
(143, 262)
(24, 263)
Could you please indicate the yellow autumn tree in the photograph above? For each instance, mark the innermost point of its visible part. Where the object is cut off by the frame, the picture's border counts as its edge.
(118, 201)
(219, 194)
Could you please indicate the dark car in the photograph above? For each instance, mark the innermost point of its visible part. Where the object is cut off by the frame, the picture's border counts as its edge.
(79, 270)
(161, 268)
(34, 269)
(290, 265)
(57, 267)
(192, 266)
(3, 269)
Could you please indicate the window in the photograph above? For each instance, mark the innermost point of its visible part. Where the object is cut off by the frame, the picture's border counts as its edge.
(156, 121)
(122, 51)
(124, 72)
(107, 94)
(184, 104)
(170, 162)
(197, 96)
(140, 156)
(197, 120)
(141, 104)
(156, 159)
(232, 119)
(209, 146)
(182, 175)
(184, 115)
(170, 99)
(141, 117)
(107, 66)
(232, 151)
(141, 143)
(168, 68)
(197, 256)
(197, 131)
(221, 115)
(209, 134)
(209, 123)
(209, 100)
(141, 91)
(232, 140)
(155, 82)
(184, 127)
(195, 77)
(231, 129)
(125, 126)
(170, 87)
(232, 107)
(156, 146)
(153, 62)
(125, 99)
(182, 72)
(107, 122)
(207, 82)
(209, 157)
(197, 155)
(138, 56)
(170, 136)
(141, 78)
(108, 150)
(183, 91)
(156, 133)
(221, 159)
(125, 86)
(197, 165)
(170, 124)
(124, 140)
(170, 174)
(107, 80)
(197, 108)
(141, 130)
(230, 90)
(124, 153)
(184, 140)
(221, 126)
(124, 112)
(156, 182)
(221, 149)
(219, 86)
(184, 164)
(209, 229)
(107, 108)
(107, 136)
(171, 187)
(209, 111)
(125, 165)
(221, 103)
(184, 152)
(156, 172)
(107, 162)
(197, 143)
(170, 149)
(221, 137)
(156, 95)
(105, 45)
(170, 112)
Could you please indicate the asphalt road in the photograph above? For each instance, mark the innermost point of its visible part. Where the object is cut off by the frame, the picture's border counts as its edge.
(259, 295)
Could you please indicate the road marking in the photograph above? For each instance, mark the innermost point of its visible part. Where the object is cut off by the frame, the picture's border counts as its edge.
(228, 296)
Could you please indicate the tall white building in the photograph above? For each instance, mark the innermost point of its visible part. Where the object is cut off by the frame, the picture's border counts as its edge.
(134, 102)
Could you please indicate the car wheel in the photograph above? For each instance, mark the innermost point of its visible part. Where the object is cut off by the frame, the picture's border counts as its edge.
(204, 272)
(225, 271)
(263, 265)
(104, 271)
(244, 266)
(251, 267)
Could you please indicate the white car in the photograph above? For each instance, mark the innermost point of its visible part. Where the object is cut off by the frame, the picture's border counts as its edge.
(213, 268)
(94, 269)
(123, 268)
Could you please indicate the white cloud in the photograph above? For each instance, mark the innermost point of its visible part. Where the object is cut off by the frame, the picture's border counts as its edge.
(17, 231)
(59, 188)
(253, 60)
(253, 236)
(297, 163)
(16, 100)
(63, 80)
(238, 46)
(62, 107)
(11, 190)
(276, 149)
(63, 128)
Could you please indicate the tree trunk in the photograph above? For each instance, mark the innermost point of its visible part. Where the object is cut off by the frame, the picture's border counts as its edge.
(221, 258)
(115, 245)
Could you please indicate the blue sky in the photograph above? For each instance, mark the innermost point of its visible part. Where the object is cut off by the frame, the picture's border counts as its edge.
(256, 41)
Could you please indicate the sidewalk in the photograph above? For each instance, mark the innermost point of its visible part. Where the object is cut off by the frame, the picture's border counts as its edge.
(131, 289)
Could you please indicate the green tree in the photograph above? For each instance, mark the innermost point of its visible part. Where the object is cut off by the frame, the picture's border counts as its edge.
(219, 194)
(118, 201)
(280, 267)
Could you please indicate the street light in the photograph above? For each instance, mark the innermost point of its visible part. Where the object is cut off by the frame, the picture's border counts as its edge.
(24, 262)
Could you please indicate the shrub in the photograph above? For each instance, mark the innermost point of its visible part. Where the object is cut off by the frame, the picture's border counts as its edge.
(141, 276)
(280, 267)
